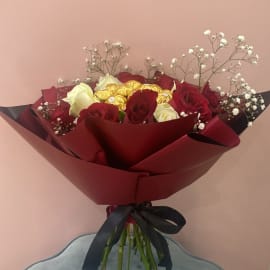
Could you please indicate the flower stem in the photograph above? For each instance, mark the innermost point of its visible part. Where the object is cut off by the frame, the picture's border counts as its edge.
(139, 245)
(149, 253)
(121, 249)
(129, 231)
(106, 253)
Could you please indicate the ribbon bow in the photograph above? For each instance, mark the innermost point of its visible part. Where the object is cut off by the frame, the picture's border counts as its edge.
(150, 219)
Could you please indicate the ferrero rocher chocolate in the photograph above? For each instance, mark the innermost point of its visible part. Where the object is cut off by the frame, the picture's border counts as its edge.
(118, 100)
(153, 87)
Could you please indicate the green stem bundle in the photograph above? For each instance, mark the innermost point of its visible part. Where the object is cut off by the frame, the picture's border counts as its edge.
(134, 240)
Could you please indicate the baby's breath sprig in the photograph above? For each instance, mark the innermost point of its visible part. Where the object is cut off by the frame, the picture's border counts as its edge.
(250, 103)
(105, 58)
(202, 64)
(183, 65)
(152, 66)
(223, 58)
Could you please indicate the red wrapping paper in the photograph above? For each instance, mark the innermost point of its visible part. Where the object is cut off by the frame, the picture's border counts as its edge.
(168, 169)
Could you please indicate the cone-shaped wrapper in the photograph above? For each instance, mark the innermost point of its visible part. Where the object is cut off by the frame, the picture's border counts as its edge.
(176, 164)
(127, 144)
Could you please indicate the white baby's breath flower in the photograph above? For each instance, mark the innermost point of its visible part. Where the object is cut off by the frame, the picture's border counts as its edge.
(238, 100)
(203, 66)
(242, 47)
(77, 80)
(241, 38)
(117, 44)
(221, 34)
(254, 99)
(235, 111)
(224, 41)
(60, 81)
(222, 93)
(174, 60)
(201, 126)
(207, 32)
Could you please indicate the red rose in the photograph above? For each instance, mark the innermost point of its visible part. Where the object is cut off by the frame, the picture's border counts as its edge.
(61, 111)
(53, 94)
(141, 106)
(56, 110)
(126, 76)
(100, 110)
(213, 97)
(187, 98)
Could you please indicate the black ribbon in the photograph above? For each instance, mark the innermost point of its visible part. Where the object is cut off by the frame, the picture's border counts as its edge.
(149, 218)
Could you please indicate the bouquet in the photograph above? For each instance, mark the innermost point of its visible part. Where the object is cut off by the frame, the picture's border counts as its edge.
(125, 138)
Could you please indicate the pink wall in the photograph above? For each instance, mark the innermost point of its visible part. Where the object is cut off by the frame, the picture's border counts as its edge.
(227, 209)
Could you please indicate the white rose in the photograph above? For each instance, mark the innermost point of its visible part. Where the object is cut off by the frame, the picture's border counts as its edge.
(106, 80)
(79, 98)
(165, 112)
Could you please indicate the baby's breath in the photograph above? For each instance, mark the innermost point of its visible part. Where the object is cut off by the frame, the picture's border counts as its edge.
(105, 58)
(199, 65)
(223, 57)
(152, 66)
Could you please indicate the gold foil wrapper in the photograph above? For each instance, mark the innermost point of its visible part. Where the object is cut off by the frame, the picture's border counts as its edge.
(123, 90)
(153, 87)
(103, 94)
(133, 84)
(113, 87)
(117, 94)
(164, 96)
(118, 100)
